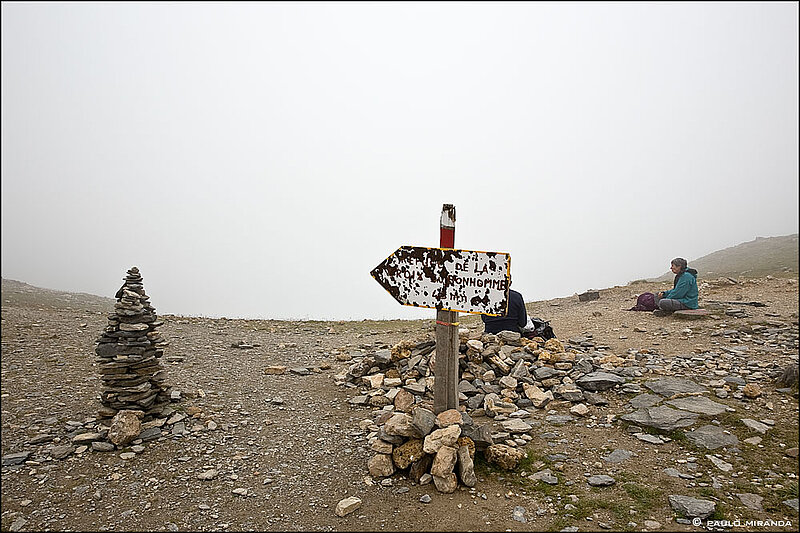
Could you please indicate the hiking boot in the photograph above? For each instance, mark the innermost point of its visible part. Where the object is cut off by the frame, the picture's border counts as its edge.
(660, 312)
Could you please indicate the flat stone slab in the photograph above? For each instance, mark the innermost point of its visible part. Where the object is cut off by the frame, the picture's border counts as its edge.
(597, 381)
(752, 424)
(645, 400)
(692, 314)
(691, 507)
(662, 417)
(652, 439)
(698, 404)
(617, 456)
(672, 386)
(601, 480)
(711, 437)
(793, 504)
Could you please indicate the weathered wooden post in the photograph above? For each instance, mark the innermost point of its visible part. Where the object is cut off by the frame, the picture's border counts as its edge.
(445, 388)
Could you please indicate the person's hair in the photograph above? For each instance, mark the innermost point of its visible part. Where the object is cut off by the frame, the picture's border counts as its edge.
(680, 262)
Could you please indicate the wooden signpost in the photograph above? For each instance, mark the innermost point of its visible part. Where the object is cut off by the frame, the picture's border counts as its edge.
(449, 281)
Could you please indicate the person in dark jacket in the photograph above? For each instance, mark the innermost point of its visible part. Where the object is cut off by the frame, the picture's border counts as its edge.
(684, 290)
(515, 318)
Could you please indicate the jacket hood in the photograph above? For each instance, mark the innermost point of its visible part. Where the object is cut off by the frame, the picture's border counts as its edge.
(692, 271)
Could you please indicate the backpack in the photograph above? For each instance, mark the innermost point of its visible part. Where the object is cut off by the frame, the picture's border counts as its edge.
(645, 302)
(541, 329)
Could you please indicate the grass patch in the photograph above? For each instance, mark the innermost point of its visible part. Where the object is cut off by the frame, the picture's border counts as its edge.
(644, 498)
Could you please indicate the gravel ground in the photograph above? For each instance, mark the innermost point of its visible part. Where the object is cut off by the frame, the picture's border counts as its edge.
(282, 450)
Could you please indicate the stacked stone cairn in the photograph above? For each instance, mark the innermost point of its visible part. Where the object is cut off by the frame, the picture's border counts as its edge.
(128, 353)
(504, 377)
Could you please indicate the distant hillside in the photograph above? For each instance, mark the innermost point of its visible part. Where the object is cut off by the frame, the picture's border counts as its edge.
(774, 256)
(19, 293)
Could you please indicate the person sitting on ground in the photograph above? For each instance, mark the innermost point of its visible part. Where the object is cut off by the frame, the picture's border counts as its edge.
(515, 319)
(683, 294)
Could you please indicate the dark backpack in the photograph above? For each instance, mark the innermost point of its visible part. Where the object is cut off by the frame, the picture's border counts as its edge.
(645, 302)
(541, 329)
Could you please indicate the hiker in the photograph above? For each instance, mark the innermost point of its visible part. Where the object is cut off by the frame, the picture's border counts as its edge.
(515, 319)
(683, 294)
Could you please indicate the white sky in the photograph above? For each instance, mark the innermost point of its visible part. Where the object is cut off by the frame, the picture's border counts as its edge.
(259, 159)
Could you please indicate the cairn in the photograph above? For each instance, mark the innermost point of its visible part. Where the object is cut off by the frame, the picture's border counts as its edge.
(128, 353)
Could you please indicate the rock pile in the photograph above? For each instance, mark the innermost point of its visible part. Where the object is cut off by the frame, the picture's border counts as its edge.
(128, 353)
(502, 376)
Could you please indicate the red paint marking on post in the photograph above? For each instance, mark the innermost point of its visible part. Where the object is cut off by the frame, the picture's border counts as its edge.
(447, 226)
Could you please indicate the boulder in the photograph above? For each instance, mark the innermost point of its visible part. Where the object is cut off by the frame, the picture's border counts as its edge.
(504, 456)
(444, 462)
(401, 424)
(466, 467)
(441, 437)
(406, 454)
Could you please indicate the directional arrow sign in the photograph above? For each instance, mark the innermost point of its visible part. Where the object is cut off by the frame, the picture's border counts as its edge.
(446, 279)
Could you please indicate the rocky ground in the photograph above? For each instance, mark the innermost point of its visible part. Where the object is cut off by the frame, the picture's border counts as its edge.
(252, 446)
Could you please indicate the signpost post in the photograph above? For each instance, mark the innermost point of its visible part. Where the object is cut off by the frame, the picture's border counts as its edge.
(445, 384)
(449, 281)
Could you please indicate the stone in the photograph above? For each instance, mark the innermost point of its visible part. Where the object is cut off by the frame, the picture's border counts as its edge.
(537, 396)
(516, 425)
(381, 446)
(711, 437)
(601, 480)
(441, 437)
(652, 524)
(275, 370)
(645, 400)
(495, 406)
(444, 462)
(407, 453)
(519, 514)
(751, 501)
(86, 438)
(504, 456)
(579, 410)
(646, 437)
(125, 427)
(380, 465)
(446, 484)
(18, 458)
(347, 506)
(617, 456)
(520, 371)
(420, 468)
(102, 446)
(752, 391)
(792, 504)
(698, 404)
(719, 463)
(508, 382)
(662, 417)
(509, 337)
(208, 475)
(466, 467)
(448, 418)
(545, 476)
(61, 452)
(424, 420)
(401, 424)
(671, 386)
(757, 426)
(599, 381)
(691, 507)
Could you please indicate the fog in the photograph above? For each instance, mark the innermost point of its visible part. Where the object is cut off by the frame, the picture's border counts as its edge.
(259, 159)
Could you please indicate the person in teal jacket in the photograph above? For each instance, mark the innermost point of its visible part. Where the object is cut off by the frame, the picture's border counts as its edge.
(684, 290)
